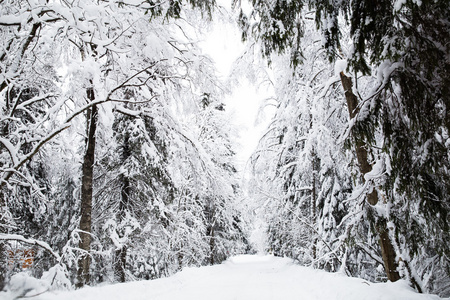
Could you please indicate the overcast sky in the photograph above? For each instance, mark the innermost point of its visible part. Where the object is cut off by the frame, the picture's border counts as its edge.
(224, 46)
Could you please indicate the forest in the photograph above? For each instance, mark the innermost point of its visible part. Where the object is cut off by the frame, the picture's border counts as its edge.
(118, 158)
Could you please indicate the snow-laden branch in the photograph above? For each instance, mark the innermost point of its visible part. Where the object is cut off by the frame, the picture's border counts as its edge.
(11, 150)
(35, 150)
(19, 162)
(319, 236)
(29, 102)
(110, 94)
(22, 239)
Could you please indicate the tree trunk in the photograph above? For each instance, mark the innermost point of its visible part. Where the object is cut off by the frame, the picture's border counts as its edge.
(211, 247)
(3, 254)
(315, 167)
(387, 249)
(387, 252)
(120, 254)
(120, 260)
(210, 214)
(84, 261)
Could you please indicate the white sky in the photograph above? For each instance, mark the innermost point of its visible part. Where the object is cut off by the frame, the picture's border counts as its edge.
(224, 46)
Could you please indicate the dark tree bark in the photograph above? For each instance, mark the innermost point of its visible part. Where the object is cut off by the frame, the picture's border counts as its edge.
(3, 257)
(209, 211)
(120, 260)
(120, 254)
(212, 246)
(315, 169)
(387, 249)
(84, 261)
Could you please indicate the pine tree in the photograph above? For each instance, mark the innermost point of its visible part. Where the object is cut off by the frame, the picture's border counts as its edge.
(398, 120)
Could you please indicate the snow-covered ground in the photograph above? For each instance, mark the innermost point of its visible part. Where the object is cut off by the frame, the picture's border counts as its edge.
(245, 277)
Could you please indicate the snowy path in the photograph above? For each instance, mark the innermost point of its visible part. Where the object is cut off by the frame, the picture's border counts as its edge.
(247, 278)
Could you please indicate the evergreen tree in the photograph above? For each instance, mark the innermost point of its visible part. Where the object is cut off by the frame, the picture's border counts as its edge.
(301, 165)
(398, 120)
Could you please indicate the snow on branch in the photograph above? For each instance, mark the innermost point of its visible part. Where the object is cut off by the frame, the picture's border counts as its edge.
(11, 150)
(36, 148)
(22, 239)
(19, 162)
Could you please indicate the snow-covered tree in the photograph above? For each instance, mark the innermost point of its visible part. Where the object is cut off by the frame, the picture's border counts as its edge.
(224, 227)
(300, 162)
(124, 76)
(398, 121)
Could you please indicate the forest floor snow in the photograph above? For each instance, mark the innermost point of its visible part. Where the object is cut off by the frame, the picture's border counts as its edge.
(245, 277)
